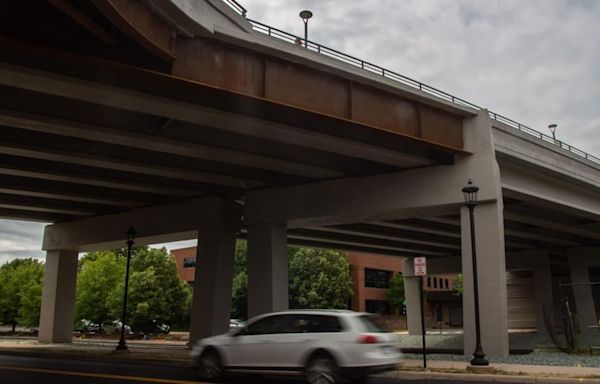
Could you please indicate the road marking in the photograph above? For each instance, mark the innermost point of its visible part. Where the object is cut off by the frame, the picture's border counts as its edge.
(98, 375)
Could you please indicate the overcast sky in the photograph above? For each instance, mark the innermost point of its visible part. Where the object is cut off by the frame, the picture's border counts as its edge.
(535, 61)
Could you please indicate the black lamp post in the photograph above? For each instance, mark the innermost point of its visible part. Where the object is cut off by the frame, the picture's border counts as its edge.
(305, 15)
(130, 235)
(552, 128)
(470, 194)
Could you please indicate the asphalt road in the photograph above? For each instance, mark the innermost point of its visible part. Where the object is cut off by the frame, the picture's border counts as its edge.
(34, 370)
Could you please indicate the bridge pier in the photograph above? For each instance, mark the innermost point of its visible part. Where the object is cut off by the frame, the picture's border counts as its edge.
(267, 268)
(491, 271)
(580, 261)
(211, 301)
(411, 294)
(57, 313)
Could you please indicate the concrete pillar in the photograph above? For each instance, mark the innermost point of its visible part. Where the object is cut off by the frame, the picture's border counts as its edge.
(584, 298)
(57, 313)
(211, 306)
(580, 260)
(267, 268)
(491, 271)
(542, 286)
(411, 293)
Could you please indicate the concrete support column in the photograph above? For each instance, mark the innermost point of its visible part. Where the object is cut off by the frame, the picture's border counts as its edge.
(411, 293)
(491, 271)
(267, 268)
(58, 297)
(542, 286)
(211, 305)
(579, 262)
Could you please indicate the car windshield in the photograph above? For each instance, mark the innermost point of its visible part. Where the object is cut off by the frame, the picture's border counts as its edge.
(369, 324)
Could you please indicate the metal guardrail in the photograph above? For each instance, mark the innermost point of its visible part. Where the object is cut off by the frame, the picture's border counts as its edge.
(236, 7)
(377, 70)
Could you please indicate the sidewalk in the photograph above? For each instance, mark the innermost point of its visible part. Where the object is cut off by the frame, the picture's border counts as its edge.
(177, 354)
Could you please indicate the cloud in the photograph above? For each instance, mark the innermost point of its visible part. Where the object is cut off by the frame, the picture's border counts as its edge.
(20, 239)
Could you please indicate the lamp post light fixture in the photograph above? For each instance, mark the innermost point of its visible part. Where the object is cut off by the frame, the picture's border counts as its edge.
(305, 15)
(470, 195)
(552, 128)
(122, 346)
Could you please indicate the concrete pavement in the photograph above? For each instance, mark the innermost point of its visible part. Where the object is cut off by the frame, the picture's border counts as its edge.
(177, 354)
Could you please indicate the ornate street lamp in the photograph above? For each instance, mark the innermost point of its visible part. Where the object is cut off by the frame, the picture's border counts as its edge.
(552, 128)
(305, 15)
(470, 194)
(130, 235)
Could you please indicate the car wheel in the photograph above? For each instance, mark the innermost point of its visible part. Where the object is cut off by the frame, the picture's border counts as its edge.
(322, 369)
(209, 366)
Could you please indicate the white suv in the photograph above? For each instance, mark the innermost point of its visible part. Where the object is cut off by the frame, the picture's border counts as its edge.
(325, 345)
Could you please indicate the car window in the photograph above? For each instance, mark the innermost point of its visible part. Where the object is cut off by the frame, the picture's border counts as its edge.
(316, 324)
(268, 325)
(294, 323)
(367, 322)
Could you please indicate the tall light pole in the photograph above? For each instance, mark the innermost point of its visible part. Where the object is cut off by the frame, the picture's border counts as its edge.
(305, 15)
(552, 128)
(122, 346)
(470, 195)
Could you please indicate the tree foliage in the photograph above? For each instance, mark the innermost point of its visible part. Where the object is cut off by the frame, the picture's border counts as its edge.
(20, 292)
(239, 292)
(318, 278)
(395, 293)
(156, 293)
(99, 274)
(458, 285)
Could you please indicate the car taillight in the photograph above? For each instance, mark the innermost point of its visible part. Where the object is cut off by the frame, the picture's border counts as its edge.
(367, 339)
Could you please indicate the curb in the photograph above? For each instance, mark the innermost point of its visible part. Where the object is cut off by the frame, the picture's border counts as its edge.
(488, 378)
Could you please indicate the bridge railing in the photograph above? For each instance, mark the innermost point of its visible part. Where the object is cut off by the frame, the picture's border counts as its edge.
(377, 70)
(236, 7)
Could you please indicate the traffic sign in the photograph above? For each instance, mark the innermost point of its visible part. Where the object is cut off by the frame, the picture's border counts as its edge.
(420, 264)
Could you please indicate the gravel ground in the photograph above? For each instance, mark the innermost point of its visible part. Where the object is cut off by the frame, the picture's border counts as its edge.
(516, 340)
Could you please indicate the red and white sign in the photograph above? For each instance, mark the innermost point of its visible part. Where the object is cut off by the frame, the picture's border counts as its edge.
(420, 264)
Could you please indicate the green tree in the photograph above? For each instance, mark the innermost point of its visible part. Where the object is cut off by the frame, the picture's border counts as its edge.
(20, 292)
(318, 278)
(155, 290)
(239, 292)
(395, 293)
(99, 274)
(458, 285)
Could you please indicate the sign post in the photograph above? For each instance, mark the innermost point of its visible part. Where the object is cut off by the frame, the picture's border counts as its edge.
(420, 266)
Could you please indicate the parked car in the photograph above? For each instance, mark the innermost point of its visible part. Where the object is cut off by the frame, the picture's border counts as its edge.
(326, 345)
(153, 327)
(86, 326)
(114, 326)
(235, 324)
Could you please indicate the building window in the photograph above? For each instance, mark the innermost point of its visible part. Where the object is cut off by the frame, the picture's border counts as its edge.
(376, 278)
(435, 282)
(428, 281)
(446, 283)
(377, 306)
(189, 262)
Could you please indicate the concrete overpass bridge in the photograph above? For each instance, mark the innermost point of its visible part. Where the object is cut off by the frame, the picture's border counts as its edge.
(185, 119)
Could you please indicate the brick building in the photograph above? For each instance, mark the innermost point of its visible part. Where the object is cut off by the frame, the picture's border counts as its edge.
(371, 275)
